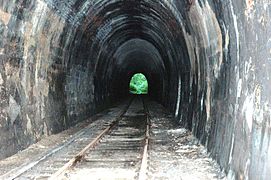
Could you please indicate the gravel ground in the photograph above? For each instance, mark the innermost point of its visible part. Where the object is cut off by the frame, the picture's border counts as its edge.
(175, 153)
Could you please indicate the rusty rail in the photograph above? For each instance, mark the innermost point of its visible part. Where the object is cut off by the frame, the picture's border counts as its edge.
(17, 172)
(77, 158)
(81, 154)
(144, 163)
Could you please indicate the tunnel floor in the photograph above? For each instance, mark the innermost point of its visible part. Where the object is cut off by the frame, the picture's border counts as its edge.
(139, 140)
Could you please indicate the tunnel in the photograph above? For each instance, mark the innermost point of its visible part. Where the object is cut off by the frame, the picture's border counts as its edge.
(207, 61)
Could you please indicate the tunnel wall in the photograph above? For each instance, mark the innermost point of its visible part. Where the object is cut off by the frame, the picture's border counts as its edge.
(229, 47)
(244, 124)
(46, 77)
(33, 74)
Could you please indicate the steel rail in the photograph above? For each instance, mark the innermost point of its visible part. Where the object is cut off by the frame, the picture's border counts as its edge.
(17, 172)
(80, 155)
(144, 163)
(77, 158)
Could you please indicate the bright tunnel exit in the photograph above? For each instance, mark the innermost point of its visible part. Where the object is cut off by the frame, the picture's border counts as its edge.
(138, 84)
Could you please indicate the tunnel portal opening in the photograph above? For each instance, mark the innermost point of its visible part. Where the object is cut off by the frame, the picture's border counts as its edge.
(138, 84)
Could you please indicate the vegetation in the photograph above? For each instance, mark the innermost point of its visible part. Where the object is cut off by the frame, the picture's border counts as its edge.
(139, 84)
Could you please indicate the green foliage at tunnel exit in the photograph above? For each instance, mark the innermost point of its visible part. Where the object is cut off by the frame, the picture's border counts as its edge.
(139, 84)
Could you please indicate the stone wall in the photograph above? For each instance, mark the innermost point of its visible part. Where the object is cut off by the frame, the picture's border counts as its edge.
(241, 133)
(44, 85)
(229, 47)
(32, 74)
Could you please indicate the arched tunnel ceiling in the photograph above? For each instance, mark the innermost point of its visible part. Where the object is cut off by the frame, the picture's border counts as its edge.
(96, 29)
(134, 48)
(110, 24)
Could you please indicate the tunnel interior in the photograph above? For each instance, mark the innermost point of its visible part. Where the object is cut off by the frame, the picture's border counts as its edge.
(131, 37)
(136, 56)
(206, 61)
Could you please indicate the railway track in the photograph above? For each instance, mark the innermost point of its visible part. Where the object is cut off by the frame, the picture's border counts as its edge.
(135, 140)
(112, 149)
